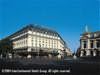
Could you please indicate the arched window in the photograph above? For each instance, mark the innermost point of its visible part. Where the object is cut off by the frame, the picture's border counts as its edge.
(98, 43)
(91, 43)
(84, 44)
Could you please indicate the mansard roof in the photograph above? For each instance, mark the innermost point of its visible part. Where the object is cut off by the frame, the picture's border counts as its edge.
(39, 28)
(36, 28)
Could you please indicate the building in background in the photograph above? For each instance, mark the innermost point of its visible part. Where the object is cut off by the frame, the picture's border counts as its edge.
(89, 44)
(37, 41)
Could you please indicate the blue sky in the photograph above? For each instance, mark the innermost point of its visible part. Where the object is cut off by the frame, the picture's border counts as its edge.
(67, 17)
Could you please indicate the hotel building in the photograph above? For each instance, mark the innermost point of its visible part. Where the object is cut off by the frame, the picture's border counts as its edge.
(35, 41)
(89, 44)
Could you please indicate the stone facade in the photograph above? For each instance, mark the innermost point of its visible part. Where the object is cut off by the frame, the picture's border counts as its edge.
(35, 40)
(90, 44)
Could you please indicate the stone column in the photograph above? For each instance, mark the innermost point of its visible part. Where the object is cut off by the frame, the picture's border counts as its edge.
(94, 44)
(81, 54)
(82, 44)
(94, 53)
(88, 44)
(88, 52)
(88, 47)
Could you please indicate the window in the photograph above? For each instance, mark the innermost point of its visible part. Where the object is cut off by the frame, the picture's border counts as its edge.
(91, 43)
(84, 44)
(42, 45)
(92, 35)
(98, 44)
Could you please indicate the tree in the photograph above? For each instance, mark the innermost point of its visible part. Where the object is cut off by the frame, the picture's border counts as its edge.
(6, 47)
